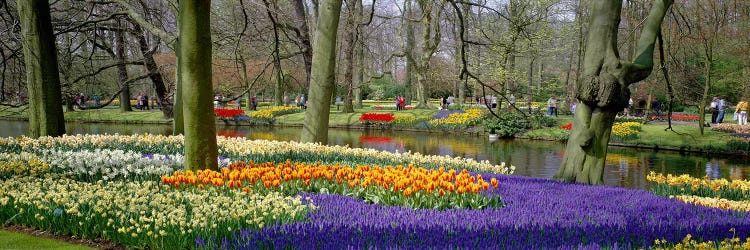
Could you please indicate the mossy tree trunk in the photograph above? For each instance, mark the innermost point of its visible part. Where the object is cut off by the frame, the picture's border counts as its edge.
(42, 75)
(604, 88)
(315, 127)
(178, 124)
(197, 89)
(430, 41)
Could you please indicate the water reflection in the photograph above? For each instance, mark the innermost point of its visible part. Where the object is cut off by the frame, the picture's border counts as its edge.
(624, 166)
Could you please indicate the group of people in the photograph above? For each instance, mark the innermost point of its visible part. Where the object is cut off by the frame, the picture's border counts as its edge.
(718, 108)
(220, 101)
(141, 102)
(447, 101)
(400, 103)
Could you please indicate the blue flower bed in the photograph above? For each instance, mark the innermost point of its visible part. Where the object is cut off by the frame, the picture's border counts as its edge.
(538, 214)
(740, 135)
(442, 114)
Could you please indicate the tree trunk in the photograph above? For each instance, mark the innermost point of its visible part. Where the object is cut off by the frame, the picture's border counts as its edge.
(195, 63)
(122, 72)
(304, 38)
(359, 74)
(315, 127)
(162, 95)
(430, 40)
(409, 52)
(604, 90)
(279, 78)
(706, 92)
(531, 85)
(42, 75)
(178, 122)
(349, 44)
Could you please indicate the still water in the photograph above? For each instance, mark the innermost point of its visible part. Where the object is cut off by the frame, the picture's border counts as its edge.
(625, 167)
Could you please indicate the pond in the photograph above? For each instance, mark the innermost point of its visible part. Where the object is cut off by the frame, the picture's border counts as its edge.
(625, 167)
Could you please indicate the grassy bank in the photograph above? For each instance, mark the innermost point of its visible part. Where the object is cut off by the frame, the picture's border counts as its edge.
(684, 137)
(13, 240)
(96, 115)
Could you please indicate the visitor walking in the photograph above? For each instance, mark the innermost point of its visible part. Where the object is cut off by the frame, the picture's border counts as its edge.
(254, 102)
(238, 103)
(145, 102)
(714, 109)
(402, 103)
(552, 106)
(572, 107)
(721, 106)
(655, 107)
(741, 111)
(139, 101)
(445, 102)
(302, 101)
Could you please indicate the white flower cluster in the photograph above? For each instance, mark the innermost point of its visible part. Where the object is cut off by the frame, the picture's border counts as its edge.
(110, 164)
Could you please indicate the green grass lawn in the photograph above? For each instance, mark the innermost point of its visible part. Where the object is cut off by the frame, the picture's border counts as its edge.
(689, 137)
(136, 116)
(13, 240)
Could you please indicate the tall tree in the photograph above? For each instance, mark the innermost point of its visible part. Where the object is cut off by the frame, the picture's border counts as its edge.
(353, 10)
(604, 89)
(122, 70)
(429, 45)
(197, 92)
(315, 128)
(42, 75)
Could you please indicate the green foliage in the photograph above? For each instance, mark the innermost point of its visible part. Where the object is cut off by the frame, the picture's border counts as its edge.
(507, 124)
(538, 121)
(738, 144)
(552, 134)
(735, 194)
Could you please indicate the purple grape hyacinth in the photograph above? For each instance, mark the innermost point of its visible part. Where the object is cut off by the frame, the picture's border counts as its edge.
(442, 114)
(538, 214)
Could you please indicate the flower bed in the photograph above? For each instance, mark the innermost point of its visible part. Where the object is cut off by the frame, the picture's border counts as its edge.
(557, 216)
(455, 119)
(623, 131)
(669, 185)
(228, 113)
(314, 200)
(402, 186)
(683, 117)
(384, 119)
(731, 128)
(268, 116)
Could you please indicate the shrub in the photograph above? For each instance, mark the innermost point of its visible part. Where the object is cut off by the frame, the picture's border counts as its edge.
(507, 124)
(542, 121)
